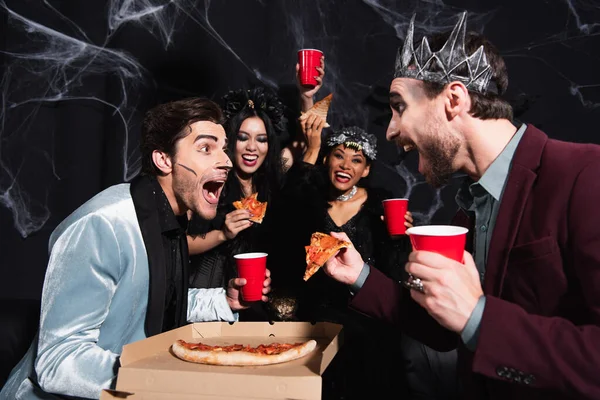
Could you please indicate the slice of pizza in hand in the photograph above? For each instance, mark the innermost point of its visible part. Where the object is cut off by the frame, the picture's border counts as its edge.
(322, 247)
(242, 355)
(320, 108)
(256, 208)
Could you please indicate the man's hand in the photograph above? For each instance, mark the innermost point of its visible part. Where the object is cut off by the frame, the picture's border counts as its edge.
(346, 265)
(234, 297)
(451, 289)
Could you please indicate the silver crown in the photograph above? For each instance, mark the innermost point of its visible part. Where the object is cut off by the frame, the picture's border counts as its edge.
(440, 66)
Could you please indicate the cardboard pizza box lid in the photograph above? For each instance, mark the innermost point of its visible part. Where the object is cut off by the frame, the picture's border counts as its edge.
(149, 366)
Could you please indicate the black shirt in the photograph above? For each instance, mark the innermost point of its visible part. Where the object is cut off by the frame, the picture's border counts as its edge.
(174, 242)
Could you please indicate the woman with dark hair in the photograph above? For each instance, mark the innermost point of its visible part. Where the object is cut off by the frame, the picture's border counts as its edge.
(255, 122)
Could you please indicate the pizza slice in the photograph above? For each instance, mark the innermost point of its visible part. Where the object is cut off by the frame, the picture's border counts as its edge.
(322, 247)
(320, 108)
(252, 204)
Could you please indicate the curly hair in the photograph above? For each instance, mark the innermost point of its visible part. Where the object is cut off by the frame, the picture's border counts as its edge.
(239, 105)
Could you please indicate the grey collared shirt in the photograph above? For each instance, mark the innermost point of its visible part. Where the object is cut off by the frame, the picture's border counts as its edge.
(482, 198)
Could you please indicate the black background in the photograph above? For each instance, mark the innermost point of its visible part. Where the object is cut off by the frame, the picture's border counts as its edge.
(78, 75)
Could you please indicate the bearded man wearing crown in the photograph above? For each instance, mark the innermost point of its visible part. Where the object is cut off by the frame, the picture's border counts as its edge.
(523, 308)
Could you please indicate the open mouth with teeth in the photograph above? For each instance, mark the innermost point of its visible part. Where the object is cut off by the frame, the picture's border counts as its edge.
(409, 147)
(249, 159)
(342, 177)
(211, 190)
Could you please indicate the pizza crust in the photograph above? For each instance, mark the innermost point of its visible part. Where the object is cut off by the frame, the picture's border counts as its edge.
(241, 358)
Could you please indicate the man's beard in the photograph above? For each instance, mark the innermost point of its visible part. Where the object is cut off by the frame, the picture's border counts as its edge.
(440, 156)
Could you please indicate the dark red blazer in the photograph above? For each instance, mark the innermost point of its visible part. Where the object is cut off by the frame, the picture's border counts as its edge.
(540, 331)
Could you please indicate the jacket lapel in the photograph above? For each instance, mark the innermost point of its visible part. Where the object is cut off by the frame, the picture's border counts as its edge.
(147, 214)
(520, 181)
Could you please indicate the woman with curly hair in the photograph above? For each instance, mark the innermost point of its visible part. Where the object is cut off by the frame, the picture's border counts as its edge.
(333, 195)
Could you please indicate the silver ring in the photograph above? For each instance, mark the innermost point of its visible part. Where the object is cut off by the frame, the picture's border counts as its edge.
(415, 284)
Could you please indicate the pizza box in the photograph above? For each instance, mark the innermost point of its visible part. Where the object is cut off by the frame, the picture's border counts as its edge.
(149, 370)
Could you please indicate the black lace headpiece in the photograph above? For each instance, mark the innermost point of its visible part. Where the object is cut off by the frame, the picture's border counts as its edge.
(258, 99)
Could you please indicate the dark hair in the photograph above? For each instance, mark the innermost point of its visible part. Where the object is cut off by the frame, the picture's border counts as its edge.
(167, 123)
(240, 105)
(488, 106)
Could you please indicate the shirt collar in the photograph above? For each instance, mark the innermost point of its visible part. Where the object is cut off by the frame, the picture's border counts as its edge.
(167, 219)
(494, 178)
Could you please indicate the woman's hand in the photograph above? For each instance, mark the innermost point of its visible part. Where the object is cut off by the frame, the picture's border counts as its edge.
(408, 223)
(235, 222)
(311, 129)
(307, 92)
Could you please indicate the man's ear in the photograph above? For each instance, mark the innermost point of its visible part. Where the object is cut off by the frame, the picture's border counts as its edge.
(456, 99)
(366, 171)
(162, 161)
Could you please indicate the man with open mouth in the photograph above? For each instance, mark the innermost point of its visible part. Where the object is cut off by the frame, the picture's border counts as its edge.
(255, 121)
(523, 308)
(118, 269)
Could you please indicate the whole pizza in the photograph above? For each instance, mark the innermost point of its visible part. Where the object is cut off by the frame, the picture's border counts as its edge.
(242, 355)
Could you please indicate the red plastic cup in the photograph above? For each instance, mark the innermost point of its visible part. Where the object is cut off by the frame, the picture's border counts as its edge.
(394, 211)
(309, 60)
(252, 267)
(447, 240)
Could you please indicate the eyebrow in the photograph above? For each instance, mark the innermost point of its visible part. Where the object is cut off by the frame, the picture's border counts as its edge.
(210, 137)
(204, 136)
(395, 96)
